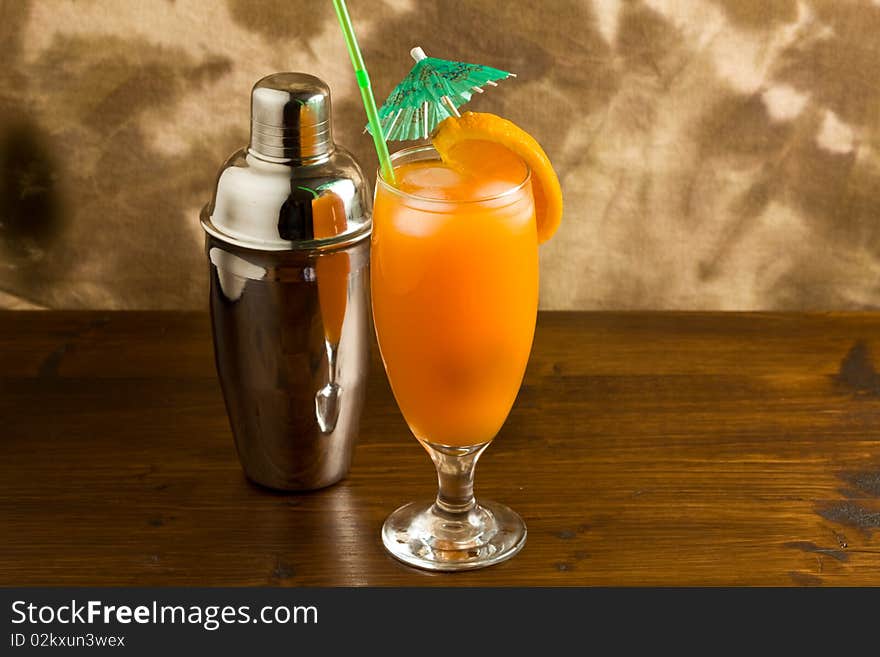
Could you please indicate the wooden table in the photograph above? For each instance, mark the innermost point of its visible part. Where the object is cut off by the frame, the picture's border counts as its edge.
(644, 449)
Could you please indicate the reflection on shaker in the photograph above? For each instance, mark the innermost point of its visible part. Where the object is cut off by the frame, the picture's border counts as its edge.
(328, 220)
(233, 272)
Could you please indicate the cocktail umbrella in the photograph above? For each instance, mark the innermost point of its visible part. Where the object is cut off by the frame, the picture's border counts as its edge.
(433, 90)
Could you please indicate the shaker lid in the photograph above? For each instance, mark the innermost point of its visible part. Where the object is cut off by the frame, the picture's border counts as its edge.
(292, 187)
(290, 117)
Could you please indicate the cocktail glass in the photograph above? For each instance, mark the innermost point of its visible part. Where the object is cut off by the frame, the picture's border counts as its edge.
(455, 296)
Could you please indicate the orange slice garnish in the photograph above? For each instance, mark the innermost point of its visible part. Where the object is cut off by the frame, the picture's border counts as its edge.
(478, 126)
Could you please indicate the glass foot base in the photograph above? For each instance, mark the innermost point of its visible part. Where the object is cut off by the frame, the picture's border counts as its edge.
(424, 536)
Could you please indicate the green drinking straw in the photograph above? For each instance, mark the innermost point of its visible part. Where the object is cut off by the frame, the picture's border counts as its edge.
(363, 80)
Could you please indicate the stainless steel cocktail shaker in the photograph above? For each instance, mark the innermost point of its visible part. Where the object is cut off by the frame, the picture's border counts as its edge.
(287, 240)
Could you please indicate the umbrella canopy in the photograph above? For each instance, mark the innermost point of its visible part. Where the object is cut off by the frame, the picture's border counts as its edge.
(433, 90)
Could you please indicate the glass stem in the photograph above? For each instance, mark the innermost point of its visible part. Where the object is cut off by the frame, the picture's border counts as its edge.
(455, 476)
(331, 361)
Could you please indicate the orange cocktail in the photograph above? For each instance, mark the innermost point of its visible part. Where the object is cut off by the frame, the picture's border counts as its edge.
(454, 271)
(455, 288)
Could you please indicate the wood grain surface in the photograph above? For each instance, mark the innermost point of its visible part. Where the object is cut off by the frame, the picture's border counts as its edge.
(644, 449)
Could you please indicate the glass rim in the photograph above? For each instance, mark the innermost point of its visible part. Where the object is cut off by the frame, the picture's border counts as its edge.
(409, 150)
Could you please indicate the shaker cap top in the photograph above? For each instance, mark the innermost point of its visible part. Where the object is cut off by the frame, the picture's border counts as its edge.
(290, 117)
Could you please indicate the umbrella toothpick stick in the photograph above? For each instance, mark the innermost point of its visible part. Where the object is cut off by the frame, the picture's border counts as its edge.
(418, 54)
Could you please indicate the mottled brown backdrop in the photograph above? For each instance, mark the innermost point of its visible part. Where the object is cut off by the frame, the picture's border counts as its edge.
(714, 154)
